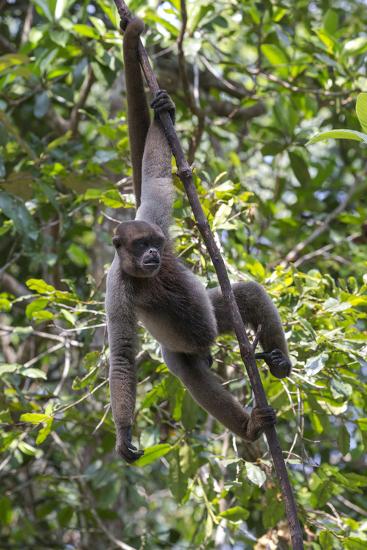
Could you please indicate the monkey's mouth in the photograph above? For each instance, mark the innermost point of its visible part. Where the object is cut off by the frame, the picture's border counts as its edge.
(151, 263)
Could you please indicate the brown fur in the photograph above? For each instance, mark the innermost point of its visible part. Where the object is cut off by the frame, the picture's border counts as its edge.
(147, 282)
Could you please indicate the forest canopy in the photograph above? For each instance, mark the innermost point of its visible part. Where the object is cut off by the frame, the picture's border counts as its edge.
(253, 83)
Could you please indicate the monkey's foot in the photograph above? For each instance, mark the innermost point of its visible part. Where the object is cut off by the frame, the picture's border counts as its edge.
(125, 448)
(278, 363)
(162, 102)
(260, 419)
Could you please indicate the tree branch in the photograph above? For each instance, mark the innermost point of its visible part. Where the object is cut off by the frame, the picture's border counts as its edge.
(295, 253)
(84, 93)
(190, 98)
(247, 354)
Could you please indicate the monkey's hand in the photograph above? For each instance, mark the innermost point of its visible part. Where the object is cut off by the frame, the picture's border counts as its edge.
(162, 102)
(125, 448)
(261, 418)
(278, 363)
(135, 25)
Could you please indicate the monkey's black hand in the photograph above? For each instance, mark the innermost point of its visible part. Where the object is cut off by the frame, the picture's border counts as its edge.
(278, 363)
(162, 102)
(261, 418)
(125, 448)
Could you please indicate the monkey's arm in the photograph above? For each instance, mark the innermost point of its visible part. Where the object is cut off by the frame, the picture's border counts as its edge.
(121, 325)
(137, 107)
(208, 392)
(157, 190)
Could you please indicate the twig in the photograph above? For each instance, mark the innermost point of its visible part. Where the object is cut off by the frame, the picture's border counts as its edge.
(84, 93)
(257, 337)
(189, 96)
(28, 20)
(247, 354)
(322, 251)
(351, 505)
(48, 351)
(66, 368)
(296, 251)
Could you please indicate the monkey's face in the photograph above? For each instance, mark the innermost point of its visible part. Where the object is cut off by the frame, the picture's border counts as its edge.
(139, 246)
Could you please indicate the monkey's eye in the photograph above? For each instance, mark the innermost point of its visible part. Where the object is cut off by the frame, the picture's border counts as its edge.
(139, 246)
(116, 242)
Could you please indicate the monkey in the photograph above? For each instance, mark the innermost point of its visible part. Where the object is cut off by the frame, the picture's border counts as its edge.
(148, 283)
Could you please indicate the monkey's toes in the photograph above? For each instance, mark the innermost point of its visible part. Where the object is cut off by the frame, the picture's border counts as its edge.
(278, 363)
(163, 102)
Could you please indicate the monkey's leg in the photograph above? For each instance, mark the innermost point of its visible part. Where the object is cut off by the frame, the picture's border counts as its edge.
(256, 308)
(208, 392)
(157, 192)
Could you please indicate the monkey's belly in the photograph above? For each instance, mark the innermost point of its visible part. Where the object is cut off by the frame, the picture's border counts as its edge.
(175, 337)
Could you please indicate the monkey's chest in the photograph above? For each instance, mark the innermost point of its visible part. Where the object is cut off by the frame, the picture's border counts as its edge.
(178, 312)
(178, 332)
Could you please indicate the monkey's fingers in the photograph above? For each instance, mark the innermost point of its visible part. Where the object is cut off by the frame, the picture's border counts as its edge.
(264, 416)
(129, 452)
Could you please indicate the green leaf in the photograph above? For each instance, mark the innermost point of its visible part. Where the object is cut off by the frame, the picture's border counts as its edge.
(6, 511)
(341, 389)
(85, 30)
(44, 432)
(35, 418)
(44, 315)
(237, 513)
(343, 440)
(41, 105)
(354, 543)
(37, 305)
(326, 540)
(15, 210)
(255, 474)
(331, 21)
(7, 368)
(40, 286)
(33, 373)
(315, 364)
(356, 46)
(78, 255)
(44, 7)
(178, 480)
(153, 453)
(274, 510)
(361, 110)
(299, 167)
(221, 216)
(362, 423)
(10, 59)
(338, 134)
(276, 57)
(80, 383)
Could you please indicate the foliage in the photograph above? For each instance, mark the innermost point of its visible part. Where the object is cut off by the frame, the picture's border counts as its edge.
(268, 75)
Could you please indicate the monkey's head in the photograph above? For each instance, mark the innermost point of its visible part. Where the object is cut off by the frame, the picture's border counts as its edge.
(139, 246)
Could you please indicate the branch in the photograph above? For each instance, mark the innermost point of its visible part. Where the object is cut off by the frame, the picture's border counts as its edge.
(190, 98)
(247, 354)
(84, 93)
(295, 253)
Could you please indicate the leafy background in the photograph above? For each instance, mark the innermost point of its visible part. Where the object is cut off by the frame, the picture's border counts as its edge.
(253, 82)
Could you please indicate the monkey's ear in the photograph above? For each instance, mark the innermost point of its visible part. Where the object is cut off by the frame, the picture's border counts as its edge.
(116, 241)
